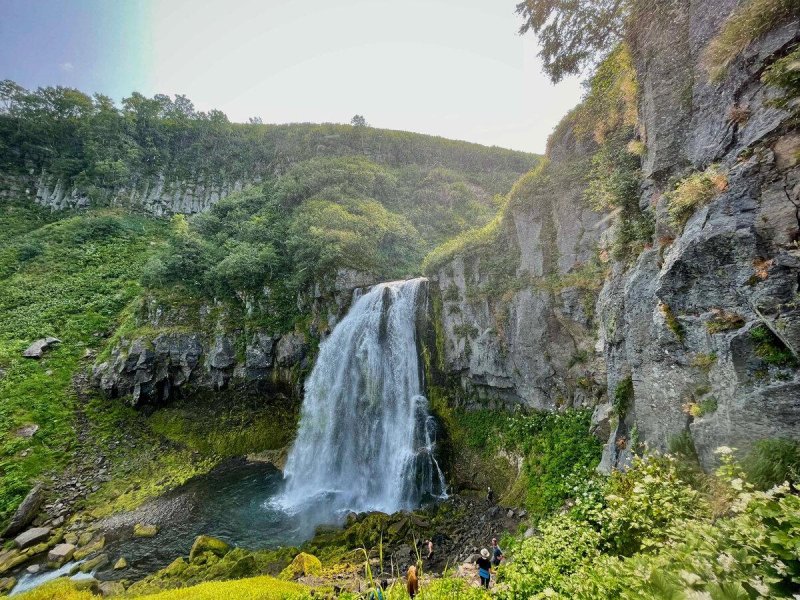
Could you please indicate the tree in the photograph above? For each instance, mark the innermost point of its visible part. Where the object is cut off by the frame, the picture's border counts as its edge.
(255, 121)
(572, 35)
(358, 121)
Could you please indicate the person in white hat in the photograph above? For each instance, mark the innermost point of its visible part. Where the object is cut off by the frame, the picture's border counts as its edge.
(484, 567)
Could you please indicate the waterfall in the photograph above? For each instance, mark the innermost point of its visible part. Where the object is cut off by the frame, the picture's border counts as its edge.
(366, 439)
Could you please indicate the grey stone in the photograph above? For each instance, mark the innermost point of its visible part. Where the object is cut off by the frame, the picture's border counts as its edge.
(111, 588)
(37, 348)
(291, 349)
(60, 554)
(32, 536)
(26, 511)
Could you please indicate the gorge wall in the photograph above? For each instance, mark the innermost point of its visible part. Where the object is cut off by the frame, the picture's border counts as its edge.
(697, 333)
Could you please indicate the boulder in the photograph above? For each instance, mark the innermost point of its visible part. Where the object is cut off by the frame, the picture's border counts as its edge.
(143, 530)
(111, 588)
(10, 559)
(90, 548)
(303, 564)
(122, 563)
(32, 536)
(601, 421)
(207, 543)
(37, 348)
(222, 355)
(7, 584)
(97, 562)
(60, 554)
(26, 511)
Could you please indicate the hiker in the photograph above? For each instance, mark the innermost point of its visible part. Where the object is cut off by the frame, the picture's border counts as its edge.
(412, 585)
(429, 546)
(490, 496)
(497, 554)
(484, 568)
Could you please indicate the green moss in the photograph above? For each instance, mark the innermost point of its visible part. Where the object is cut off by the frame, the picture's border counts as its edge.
(672, 322)
(303, 564)
(724, 321)
(770, 349)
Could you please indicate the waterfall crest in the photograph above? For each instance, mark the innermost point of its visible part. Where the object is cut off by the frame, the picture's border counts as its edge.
(366, 439)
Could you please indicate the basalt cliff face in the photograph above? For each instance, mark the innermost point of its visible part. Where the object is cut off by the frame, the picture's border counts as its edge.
(695, 336)
(173, 349)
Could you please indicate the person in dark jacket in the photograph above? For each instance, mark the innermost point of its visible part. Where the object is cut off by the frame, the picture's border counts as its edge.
(497, 554)
(484, 568)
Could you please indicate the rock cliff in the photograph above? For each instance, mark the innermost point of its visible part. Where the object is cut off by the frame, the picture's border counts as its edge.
(171, 348)
(694, 338)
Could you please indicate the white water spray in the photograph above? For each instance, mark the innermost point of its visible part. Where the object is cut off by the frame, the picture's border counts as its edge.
(366, 438)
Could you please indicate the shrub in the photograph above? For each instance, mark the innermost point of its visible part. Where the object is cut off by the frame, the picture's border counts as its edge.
(644, 503)
(771, 462)
(749, 21)
(623, 396)
(695, 191)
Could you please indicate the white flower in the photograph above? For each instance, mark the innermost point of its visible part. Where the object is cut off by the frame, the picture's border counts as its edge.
(737, 484)
(723, 450)
(726, 561)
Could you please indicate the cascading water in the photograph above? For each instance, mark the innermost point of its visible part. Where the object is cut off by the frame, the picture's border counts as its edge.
(366, 438)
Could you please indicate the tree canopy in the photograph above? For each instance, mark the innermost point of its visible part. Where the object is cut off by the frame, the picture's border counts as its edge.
(573, 34)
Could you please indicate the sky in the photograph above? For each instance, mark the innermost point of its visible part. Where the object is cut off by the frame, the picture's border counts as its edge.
(455, 68)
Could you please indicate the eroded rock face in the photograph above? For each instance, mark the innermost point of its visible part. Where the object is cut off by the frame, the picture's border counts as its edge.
(530, 344)
(182, 349)
(681, 322)
(706, 321)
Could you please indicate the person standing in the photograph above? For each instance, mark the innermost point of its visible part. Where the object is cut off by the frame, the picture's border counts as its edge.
(429, 548)
(497, 553)
(490, 496)
(484, 568)
(412, 585)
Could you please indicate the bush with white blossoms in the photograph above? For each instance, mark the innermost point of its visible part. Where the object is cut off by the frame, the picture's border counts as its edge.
(654, 537)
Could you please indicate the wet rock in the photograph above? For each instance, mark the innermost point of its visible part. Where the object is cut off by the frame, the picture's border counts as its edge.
(143, 530)
(33, 569)
(207, 543)
(37, 348)
(7, 584)
(26, 511)
(97, 562)
(90, 548)
(32, 536)
(60, 554)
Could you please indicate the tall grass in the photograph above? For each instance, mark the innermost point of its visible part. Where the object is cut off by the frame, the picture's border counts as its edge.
(750, 20)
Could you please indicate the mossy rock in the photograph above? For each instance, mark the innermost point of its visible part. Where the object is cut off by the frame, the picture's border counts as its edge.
(302, 565)
(175, 569)
(90, 548)
(142, 530)
(122, 563)
(207, 543)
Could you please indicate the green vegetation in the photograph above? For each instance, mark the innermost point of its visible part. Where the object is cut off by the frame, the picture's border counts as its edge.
(694, 191)
(96, 145)
(770, 349)
(623, 397)
(785, 75)
(772, 462)
(85, 271)
(672, 321)
(647, 533)
(748, 22)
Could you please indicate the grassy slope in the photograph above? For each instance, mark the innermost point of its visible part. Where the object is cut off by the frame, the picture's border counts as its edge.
(70, 279)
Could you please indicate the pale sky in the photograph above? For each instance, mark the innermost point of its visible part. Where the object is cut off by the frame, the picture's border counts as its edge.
(455, 68)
